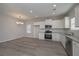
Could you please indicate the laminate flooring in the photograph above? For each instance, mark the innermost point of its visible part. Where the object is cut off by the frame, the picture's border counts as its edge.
(31, 47)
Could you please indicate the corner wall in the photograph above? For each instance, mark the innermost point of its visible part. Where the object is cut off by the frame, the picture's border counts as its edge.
(9, 30)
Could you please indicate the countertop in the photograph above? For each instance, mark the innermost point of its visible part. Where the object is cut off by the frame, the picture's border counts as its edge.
(74, 38)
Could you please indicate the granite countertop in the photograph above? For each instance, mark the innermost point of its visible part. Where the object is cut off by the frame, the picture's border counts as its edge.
(74, 38)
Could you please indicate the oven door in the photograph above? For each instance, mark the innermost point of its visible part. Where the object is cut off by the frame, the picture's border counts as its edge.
(48, 36)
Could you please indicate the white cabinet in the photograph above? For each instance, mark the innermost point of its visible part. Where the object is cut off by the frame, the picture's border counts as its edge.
(55, 37)
(67, 22)
(54, 23)
(77, 16)
(42, 25)
(48, 22)
(58, 24)
(75, 49)
(41, 36)
(75, 13)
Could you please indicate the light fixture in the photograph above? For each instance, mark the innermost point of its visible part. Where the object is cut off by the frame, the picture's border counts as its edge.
(19, 20)
(54, 9)
(21, 23)
(54, 5)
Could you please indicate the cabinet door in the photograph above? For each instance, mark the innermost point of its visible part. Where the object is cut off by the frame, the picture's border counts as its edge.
(55, 37)
(58, 24)
(77, 16)
(42, 25)
(48, 22)
(67, 22)
(75, 49)
(41, 36)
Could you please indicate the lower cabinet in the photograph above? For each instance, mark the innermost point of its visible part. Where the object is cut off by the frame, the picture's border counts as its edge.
(55, 36)
(75, 49)
(41, 36)
(63, 40)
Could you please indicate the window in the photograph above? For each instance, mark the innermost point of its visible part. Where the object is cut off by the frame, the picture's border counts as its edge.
(28, 28)
(73, 24)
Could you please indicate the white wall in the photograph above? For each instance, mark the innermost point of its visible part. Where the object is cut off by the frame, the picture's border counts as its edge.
(9, 30)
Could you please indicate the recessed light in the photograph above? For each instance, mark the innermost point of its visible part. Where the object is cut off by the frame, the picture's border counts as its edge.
(54, 5)
(31, 11)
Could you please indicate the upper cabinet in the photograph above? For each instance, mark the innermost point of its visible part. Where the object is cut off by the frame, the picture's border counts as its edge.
(42, 25)
(77, 15)
(58, 23)
(67, 22)
(73, 21)
(48, 22)
(54, 23)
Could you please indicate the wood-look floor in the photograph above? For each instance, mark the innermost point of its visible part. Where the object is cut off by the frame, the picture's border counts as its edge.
(31, 47)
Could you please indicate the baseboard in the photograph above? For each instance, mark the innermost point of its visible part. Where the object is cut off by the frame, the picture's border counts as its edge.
(10, 40)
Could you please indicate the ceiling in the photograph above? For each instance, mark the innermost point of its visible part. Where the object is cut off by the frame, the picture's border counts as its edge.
(37, 9)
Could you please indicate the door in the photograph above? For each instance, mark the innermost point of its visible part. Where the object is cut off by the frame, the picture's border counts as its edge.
(36, 31)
